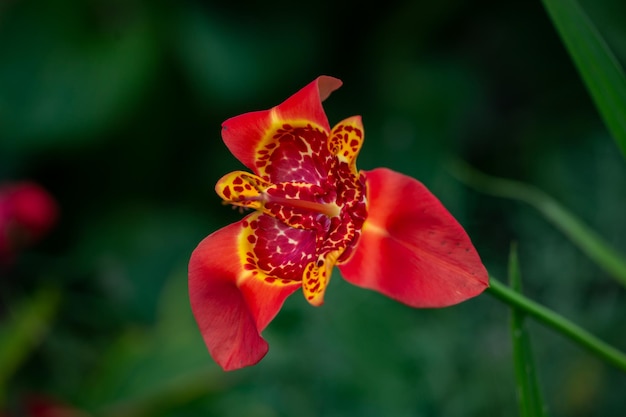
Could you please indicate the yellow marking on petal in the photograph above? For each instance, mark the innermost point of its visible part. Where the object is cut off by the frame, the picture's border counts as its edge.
(275, 117)
(316, 277)
(374, 228)
(242, 189)
(346, 139)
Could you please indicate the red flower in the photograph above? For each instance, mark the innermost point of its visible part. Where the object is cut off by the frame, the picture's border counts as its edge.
(27, 212)
(38, 405)
(315, 210)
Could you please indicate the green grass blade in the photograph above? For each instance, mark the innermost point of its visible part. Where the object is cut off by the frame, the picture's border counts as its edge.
(587, 240)
(528, 393)
(23, 331)
(597, 65)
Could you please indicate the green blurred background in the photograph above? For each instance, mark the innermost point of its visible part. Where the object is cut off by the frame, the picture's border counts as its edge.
(115, 107)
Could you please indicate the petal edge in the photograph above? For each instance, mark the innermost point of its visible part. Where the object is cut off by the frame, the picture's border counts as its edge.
(411, 248)
(231, 308)
(244, 133)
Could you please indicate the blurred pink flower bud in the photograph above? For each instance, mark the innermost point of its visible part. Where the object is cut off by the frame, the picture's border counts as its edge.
(37, 405)
(42, 406)
(27, 212)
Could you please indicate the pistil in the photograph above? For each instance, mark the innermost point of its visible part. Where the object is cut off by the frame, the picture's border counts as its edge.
(328, 209)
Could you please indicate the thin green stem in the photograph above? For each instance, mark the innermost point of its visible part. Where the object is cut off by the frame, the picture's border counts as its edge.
(580, 234)
(558, 323)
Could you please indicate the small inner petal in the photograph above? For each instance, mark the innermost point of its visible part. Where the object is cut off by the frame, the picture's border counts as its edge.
(242, 189)
(316, 277)
(345, 141)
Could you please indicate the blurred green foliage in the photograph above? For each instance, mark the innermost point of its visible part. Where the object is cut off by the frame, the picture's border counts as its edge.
(115, 107)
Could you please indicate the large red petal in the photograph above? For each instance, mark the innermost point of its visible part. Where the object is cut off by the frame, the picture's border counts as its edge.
(411, 248)
(230, 305)
(245, 134)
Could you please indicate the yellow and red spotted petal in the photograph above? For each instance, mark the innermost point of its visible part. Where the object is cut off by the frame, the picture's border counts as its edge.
(289, 141)
(243, 189)
(317, 275)
(411, 248)
(345, 141)
(232, 304)
(274, 251)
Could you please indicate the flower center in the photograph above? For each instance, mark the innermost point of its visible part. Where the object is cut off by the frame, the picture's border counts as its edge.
(328, 209)
(297, 204)
(310, 221)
